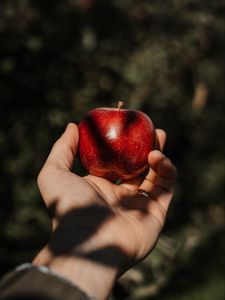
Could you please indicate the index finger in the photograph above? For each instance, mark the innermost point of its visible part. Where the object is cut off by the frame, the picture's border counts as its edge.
(161, 139)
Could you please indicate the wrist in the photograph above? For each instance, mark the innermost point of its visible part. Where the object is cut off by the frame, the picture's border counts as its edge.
(95, 279)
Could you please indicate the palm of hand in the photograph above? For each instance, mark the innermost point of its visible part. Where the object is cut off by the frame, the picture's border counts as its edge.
(137, 219)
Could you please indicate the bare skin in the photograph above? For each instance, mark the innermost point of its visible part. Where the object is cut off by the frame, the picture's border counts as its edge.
(101, 229)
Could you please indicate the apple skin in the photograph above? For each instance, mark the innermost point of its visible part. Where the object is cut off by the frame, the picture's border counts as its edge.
(115, 143)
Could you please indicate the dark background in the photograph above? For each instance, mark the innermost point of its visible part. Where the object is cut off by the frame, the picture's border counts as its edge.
(59, 59)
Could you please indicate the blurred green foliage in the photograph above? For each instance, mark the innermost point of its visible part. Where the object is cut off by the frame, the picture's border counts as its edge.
(59, 59)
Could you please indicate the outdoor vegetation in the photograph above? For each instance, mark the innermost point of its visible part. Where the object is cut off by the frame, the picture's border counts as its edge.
(60, 58)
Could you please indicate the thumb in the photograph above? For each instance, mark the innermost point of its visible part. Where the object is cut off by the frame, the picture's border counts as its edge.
(65, 148)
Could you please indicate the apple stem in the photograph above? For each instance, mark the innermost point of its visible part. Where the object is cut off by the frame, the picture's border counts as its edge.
(119, 104)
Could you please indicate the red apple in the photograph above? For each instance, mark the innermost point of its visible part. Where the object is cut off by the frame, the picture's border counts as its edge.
(115, 142)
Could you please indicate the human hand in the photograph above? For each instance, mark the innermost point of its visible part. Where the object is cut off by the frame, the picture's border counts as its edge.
(97, 225)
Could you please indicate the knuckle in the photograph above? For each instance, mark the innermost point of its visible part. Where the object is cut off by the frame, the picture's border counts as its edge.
(168, 169)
